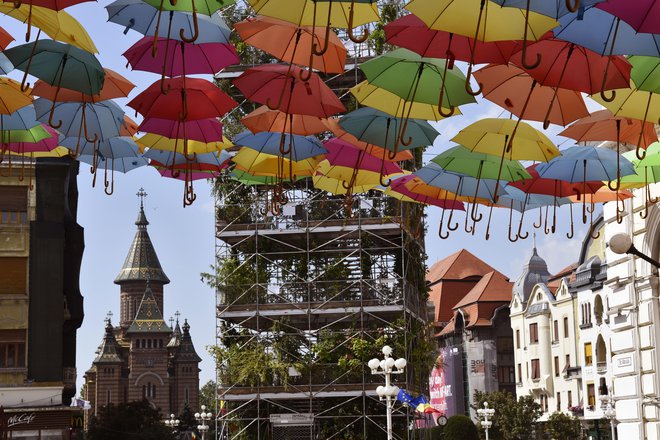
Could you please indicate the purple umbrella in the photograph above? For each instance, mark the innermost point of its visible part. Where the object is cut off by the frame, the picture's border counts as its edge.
(642, 15)
(202, 130)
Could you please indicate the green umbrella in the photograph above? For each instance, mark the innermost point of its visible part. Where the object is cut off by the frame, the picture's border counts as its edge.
(33, 135)
(248, 179)
(59, 64)
(645, 73)
(461, 160)
(647, 172)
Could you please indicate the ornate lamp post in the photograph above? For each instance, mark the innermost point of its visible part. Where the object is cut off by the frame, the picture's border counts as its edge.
(202, 419)
(485, 413)
(172, 422)
(609, 411)
(386, 367)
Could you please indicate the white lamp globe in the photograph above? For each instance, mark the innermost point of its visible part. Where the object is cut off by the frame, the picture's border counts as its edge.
(197, 415)
(374, 364)
(380, 390)
(387, 350)
(382, 364)
(620, 243)
(400, 363)
(389, 362)
(203, 408)
(394, 391)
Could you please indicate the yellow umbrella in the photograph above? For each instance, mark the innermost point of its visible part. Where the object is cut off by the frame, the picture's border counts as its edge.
(58, 25)
(55, 152)
(360, 177)
(12, 97)
(261, 164)
(390, 103)
(158, 142)
(335, 186)
(339, 14)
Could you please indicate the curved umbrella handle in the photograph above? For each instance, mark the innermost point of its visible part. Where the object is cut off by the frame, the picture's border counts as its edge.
(468, 86)
(404, 142)
(24, 84)
(29, 23)
(194, 37)
(451, 215)
(467, 228)
(607, 98)
(154, 48)
(572, 7)
(442, 219)
(474, 211)
(306, 74)
(525, 63)
(50, 118)
(540, 219)
(591, 228)
(619, 217)
(112, 178)
(283, 150)
(441, 98)
(512, 240)
(281, 97)
(618, 160)
(572, 233)
(163, 89)
(324, 49)
(353, 38)
(382, 162)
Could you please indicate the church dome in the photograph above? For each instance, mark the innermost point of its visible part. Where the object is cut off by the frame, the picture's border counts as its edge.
(535, 271)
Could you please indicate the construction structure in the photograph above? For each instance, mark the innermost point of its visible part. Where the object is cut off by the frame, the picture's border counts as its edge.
(304, 300)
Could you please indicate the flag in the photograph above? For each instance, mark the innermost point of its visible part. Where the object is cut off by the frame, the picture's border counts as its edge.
(426, 408)
(80, 403)
(404, 397)
(419, 400)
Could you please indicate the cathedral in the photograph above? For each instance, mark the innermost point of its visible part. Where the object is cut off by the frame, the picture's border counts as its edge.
(144, 357)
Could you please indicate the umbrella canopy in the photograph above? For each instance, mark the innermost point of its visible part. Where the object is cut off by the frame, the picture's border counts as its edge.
(281, 88)
(516, 91)
(145, 18)
(111, 148)
(5, 65)
(48, 143)
(175, 58)
(443, 200)
(583, 164)
(100, 120)
(318, 13)
(249, 179)
(461, 160)
(261, 164)
(343, 154)
(201, 130)
(265, 119)
(602, 126)
(5, 39)
(633, 103)
(206, 7)
(32, 135)
(375, 127)
(114, 86)
(209, 101)
(641, 15)
(645, 73)
(22, 119)
(553, 187)
(459, 184)
(269, 143)
(552, 8)
(157, 142)
(337, 186)
(603, 195)
(374, 150)
(294, 44)
(12, 97)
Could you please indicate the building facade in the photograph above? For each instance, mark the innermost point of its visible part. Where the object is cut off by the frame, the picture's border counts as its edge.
(143, 357)
(41, 308)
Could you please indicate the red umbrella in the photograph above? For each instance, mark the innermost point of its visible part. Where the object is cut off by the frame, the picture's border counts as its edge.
(201, 130)
(601, 126)
(412, 33)
(5, 39)
(570, 66)
(280, 88)
(206, 100)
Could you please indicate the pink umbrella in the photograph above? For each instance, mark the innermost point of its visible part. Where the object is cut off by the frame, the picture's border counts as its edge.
(343, 154)
(642, 15)
(399, 185)
(195, 175)
(202, 130)
(47, 144)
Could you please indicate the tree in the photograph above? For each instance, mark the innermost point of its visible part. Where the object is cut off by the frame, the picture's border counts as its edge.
(207, 394)
(460, 427)
(561, 426)
(513, 420)
(134, 420)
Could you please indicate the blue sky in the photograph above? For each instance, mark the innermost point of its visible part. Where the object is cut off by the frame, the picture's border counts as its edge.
(184, 238)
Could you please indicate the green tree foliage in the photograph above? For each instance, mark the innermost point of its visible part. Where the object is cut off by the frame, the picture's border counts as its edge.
(561, 426)
(207, 394)
(460, 427)
(513, 420)
(134, 420)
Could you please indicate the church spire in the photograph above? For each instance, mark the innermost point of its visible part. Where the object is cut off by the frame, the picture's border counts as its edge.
(108, 351)
(142, 263)
(149, 318)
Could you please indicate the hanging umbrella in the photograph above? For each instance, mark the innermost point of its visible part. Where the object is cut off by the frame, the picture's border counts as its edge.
(32, 135)
(265, 119)
(277, 167)
(602, 126)
(201, 130)
(641, 15)
(269, 143)
(22, 119)
(517, 92)
(412, 33)
(551, 8)
(145, 18)
(378, 128)
(129, 127)
(112, 164)
(114, 86)
(5, 65)
(294, 44)
(280, 88)
(58, 64)
(461, 160)
(209, 101)
(374, 150)
(175, 145)
(445, 201)
(212, 161)
(58, 25)
(12, 97)
(21, 142)
(336, 186)
(346, 14)
(48, 143)
(5, 39)
(481, 20)
(248, 179)
(647, 172)
(390, 103)
(55, 5)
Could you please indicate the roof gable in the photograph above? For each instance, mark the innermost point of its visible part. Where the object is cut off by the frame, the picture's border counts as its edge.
(458, 266)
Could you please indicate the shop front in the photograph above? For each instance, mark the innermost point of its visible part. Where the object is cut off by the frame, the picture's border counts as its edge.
(44, 423)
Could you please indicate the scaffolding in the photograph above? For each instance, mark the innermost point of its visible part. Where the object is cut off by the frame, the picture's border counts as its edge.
(304, 300)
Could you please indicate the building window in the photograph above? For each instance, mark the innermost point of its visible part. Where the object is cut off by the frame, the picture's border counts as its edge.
(517, 338)
(504, 344)
(13, 204)
(149, 391)
(536, 369)
(149, 363)
(568, 362)
(533, 333)
(12, 348)
(14, 275)
(107, 397)
(506, 374)
(565, 327)
(556, 331)
(187, 395)
(591, 395)
(556, 365)
(558, 401)
(519, 373)
(570, 399)
(588, 354)
(544, 402)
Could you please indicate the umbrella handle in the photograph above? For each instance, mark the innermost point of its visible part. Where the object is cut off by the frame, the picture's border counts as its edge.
(468, 86)
(490, 216)
(29, 23)
(195, 34)
(324, 49)
(451, 215)
(452, 109)
(111, 184)
(572, 233)
(306, 74)
(525, 64)
(619, 217)
(442, 219)
(545, 223)
(154, 48)
(640, 152)
(353, 38)
(591, 228)
(540, 219)
(512, 240)
(467, 227)
(50, 118)
(608, 98)
(572, 7)
(24, 84)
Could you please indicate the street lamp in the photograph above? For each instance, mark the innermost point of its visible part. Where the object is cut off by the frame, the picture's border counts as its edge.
(622, 244)
(202, 418)
(485, 413)
(609, 411)
(386, 367)
(172, 422)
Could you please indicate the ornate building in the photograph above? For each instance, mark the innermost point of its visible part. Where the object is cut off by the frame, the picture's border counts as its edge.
(143, 357)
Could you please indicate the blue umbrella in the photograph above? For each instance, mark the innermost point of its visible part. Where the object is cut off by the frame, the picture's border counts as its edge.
(584, 164)
(6, 66)
(121, 164)
(22, 119)
(144, 18)
(96, 121)
(170, 158)
(112, 148)
(378, 128)
(552, 8)
(299, 147)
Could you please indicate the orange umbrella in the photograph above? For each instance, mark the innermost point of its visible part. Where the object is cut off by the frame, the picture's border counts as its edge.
(294, 44)
(602, 126)
(5, 39)
(265, 119)
(114, 86)
(129, 128)
(374, 150)
(603, 195)
(517, 92)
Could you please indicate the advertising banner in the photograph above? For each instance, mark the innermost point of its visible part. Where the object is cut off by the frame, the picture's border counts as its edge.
(446, 382)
